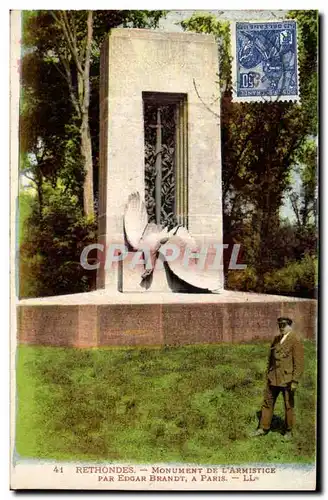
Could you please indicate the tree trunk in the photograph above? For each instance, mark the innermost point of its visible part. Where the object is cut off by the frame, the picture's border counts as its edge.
(80, 101)
(86, 145)
(39, 186)
(86, 151)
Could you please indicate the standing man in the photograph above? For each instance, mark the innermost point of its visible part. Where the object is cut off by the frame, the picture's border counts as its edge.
(285, 367)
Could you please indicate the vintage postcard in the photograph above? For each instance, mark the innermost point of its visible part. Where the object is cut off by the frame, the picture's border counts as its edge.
(164, 225)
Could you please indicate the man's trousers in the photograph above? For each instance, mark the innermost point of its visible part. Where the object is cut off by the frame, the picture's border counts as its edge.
(270, 396)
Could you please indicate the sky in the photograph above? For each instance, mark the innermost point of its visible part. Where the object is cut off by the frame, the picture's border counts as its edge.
(170, 23)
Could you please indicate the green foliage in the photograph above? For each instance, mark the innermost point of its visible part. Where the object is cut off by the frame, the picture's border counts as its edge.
(194, 404)
(297, 279)
(242, 280)
(294, 267)
(25, 203)
(308, 40)
(305, 203)
(52, 246)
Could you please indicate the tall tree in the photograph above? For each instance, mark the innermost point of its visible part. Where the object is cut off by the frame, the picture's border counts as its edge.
(70, 42)
(43, 135)
(76, 50)
(59, 136)
(304, 202)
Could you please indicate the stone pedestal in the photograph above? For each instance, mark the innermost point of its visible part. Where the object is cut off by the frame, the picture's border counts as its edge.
(134, 62)
(99, 319)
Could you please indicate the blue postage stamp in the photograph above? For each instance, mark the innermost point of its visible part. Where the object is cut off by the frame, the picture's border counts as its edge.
(265, 61)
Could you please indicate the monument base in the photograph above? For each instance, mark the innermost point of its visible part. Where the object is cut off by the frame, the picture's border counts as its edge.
(100, 318)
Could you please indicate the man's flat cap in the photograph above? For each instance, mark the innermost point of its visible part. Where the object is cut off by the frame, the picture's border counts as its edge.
(284, 319)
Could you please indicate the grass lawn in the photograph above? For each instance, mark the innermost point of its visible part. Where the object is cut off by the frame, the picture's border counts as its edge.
(193, 404)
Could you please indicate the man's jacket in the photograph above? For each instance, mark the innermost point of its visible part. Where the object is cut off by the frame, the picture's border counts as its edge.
(286, 360)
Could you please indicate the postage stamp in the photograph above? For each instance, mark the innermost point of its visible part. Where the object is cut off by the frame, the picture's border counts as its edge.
(265, 61)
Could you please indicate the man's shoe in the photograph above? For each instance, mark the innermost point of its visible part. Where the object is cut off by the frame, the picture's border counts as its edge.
(288, 436)
(259, 433)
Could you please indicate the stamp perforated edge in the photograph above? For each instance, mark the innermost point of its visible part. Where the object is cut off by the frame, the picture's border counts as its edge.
(260, 99)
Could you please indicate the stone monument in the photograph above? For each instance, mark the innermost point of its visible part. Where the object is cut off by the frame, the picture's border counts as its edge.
(168, 81)
(140, 67)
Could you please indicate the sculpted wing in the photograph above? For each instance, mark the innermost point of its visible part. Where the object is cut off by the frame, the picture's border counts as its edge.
(135, 219)
(188, 271)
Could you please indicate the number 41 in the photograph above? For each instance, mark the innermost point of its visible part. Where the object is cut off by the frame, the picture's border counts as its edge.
(58, 469)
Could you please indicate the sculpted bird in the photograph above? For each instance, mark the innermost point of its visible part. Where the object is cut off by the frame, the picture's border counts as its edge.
(150, 238)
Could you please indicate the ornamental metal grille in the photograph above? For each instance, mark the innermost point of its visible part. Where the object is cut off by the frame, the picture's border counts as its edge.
(165, 131)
